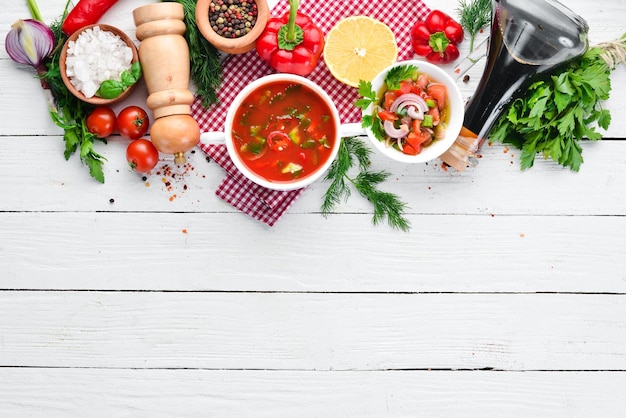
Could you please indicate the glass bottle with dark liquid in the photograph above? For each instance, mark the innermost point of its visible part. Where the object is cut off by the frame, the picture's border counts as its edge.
(528, 38)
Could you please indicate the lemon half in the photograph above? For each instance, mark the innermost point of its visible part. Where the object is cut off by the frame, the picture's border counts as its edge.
(358, 48)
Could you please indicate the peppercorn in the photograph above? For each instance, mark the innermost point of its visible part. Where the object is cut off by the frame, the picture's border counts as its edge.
(232, 18)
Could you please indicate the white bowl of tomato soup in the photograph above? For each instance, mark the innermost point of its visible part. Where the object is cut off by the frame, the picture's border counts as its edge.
(282, 131)
(417, 113)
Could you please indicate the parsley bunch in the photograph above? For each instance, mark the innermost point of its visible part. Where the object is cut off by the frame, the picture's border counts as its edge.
(386, 205)
(70, 113)
(559, 111)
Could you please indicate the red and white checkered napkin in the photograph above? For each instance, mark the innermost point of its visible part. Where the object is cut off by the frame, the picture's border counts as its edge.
(238, 70)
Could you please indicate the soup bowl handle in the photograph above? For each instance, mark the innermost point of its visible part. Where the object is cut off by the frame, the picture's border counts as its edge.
(351, 129)
(213, 138)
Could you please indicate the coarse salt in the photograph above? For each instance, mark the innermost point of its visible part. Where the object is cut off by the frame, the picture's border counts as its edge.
(96, 56)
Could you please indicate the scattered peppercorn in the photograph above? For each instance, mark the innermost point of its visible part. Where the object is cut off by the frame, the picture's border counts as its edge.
(111, 200)
(232, 18)
(466, 78)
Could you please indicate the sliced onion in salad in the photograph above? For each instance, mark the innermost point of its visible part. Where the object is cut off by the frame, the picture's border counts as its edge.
(408, 101)
(394, 132)
(413, 113)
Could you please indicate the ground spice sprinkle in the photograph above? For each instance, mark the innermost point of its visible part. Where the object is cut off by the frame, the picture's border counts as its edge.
(232, 18)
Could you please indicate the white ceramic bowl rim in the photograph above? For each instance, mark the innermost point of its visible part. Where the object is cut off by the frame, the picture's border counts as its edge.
(228, 124)
(457, 113)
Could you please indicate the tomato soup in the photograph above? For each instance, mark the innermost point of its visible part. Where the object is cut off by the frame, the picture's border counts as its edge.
(283, 131)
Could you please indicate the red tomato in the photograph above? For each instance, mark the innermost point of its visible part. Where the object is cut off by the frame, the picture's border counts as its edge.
(387, 115)
(439, 93)
(101, 121)
(405, 86)
(141, 155)
(389, 98)
(132, 122)
(410, 150)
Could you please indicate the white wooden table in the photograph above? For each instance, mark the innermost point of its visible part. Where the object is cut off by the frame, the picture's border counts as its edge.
(507, 298)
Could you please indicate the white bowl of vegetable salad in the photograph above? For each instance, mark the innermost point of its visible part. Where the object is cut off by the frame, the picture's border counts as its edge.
(412, 111)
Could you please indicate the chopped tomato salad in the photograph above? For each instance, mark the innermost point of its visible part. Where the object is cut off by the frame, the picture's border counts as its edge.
(410, 113)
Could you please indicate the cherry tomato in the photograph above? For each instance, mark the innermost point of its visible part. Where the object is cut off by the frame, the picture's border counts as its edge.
(101, 121)
(132, 122)
(141, 155)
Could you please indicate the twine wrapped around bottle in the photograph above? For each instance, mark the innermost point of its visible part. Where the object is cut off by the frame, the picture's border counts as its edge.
(614, 52)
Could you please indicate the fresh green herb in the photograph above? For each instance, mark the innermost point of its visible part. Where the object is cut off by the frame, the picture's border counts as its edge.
(110, 89)
(559, 111)
(369, 97)
(386, 205)
(398, 74)
(205, 64)
(70, 113)
(473, 16)
(393, 78)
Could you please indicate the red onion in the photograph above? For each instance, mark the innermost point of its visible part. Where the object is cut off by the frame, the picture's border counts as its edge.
(416, 106)
(394, 132)
(29, 42)
(413, 113)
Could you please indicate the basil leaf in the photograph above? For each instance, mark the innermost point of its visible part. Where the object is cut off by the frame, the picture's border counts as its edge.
(110, 89)
(135, 71)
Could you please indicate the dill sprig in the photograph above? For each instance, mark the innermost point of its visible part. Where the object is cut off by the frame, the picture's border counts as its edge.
(386, 205)
(204, 59)
(474, 15)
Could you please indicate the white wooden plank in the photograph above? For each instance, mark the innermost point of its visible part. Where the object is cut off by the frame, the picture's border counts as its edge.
(228, 251)
(261, 393)
(304, 331)
(36, 177)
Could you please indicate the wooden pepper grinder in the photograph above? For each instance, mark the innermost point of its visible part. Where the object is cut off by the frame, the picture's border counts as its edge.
(164, 58)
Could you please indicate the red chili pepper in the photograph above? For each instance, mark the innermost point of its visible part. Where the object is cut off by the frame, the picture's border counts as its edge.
(86, 12)
(291, 43)
(436, 37)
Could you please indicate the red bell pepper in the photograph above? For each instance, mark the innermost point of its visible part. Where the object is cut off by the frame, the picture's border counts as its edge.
(291, 43)
(436, 37)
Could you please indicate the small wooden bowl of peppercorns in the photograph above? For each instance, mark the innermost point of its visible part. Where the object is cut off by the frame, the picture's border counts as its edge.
(232, 26)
